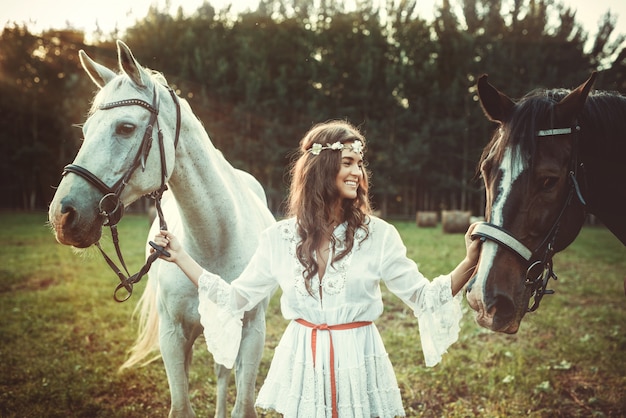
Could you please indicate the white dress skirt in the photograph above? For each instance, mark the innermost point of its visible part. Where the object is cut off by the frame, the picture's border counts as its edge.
(365, 381)
(298, 385)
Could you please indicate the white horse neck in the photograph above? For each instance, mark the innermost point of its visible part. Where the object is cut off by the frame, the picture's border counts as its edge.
(219, 212)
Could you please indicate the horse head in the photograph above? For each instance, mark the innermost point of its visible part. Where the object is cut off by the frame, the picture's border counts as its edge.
(114, 165)
(534, 203)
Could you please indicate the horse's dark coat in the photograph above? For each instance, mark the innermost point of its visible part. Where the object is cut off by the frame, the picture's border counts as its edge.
(601, 144)
(556, 155)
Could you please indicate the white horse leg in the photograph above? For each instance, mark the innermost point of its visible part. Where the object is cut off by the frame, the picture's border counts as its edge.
(248, 361)
(179, 326)
(174, 349)
(177, 351)
(223, 378)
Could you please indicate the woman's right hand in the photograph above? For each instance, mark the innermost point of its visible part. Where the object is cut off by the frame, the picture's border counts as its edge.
(169, 243)
(178, 255)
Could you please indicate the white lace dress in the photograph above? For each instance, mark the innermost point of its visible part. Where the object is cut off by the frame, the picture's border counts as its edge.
(365, 382)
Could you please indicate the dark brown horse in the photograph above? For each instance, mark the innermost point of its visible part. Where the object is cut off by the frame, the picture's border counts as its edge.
(556, 155)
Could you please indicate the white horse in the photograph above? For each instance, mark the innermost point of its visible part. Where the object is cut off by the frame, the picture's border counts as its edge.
(215, 209)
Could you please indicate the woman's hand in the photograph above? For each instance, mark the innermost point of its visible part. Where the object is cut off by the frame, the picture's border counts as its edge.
(464, 271)
(169, 243)
(472, 246)
(178, 255)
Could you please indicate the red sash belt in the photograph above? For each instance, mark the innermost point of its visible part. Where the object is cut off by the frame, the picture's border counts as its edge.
(326, 327)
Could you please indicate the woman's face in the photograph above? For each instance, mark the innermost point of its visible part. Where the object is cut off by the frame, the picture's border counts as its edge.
(350, 174)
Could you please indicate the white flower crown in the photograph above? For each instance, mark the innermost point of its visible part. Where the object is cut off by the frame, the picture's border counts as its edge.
(356, 146)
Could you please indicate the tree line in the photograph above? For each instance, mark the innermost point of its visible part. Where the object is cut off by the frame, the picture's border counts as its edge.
(259, 79)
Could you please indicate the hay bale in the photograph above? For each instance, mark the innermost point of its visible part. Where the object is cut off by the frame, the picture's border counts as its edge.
(426, 219)
(474, 219)
(455, 221)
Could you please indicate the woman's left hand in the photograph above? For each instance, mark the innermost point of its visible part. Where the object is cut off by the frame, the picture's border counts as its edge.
(472, 246)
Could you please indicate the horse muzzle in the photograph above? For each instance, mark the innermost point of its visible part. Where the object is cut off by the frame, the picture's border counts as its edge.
(499, 310)
(75, 226)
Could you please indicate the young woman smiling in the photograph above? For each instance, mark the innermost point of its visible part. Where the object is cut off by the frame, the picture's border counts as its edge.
(328, 257)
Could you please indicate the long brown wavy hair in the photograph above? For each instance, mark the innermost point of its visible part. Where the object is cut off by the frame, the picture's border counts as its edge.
(313, 195)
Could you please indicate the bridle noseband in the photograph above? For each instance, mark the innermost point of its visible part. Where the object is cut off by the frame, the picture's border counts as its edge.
(540, 267)
(111, 206)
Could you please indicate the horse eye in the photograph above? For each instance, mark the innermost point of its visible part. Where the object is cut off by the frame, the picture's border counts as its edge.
(549, 183)
(125, 129)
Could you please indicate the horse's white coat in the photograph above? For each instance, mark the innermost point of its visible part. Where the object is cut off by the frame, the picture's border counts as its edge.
(216, 211)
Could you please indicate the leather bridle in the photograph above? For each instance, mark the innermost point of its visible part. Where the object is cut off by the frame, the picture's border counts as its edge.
(111, 206)
(539, 262)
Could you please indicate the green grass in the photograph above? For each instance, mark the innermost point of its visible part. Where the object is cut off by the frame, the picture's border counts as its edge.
(63, 337)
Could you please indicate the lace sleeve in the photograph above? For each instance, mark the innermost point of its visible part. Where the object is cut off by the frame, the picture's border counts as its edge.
(438, 319)
(222, 326)
(438, 313)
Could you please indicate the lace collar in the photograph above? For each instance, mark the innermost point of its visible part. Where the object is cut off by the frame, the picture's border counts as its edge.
(336, 273)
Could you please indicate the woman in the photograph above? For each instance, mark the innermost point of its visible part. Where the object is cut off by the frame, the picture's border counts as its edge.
(328, 257)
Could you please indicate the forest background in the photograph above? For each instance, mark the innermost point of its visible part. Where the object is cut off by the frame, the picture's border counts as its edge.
(259, 79)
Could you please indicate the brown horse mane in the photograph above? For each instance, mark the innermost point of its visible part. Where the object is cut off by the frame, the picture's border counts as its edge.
(603, 153)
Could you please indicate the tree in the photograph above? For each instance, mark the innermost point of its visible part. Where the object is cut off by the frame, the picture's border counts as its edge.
(40, 85)
(260, 79)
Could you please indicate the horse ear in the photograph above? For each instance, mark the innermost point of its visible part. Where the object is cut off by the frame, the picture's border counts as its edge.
(99, 74)
(572, 105)
(129, 64)
(496, 105)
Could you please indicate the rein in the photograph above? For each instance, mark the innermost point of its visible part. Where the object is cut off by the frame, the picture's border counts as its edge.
(540, 267)
(111, 206)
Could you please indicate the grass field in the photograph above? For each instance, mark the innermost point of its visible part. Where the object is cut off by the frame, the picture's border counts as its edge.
(63, 337)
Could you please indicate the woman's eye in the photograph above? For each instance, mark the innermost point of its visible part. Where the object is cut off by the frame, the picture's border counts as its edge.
(125, 129)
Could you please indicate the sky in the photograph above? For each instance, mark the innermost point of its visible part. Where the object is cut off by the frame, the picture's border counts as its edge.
(111, 14)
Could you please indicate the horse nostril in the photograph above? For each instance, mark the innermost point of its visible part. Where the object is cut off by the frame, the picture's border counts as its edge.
(504, 311)
(68, 214)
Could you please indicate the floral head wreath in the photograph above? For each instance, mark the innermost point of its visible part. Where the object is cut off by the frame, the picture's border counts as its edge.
(356, 146)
